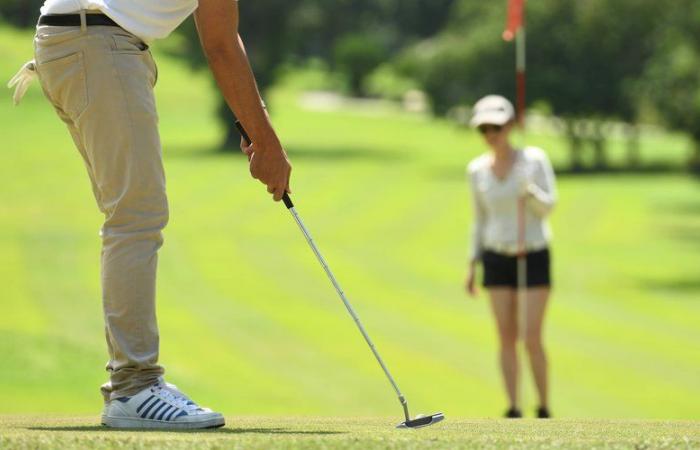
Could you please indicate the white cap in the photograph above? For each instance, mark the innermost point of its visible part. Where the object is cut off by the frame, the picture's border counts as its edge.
(492, 110)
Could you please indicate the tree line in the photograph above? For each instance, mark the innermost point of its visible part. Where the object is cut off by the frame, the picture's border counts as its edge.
(589, 62)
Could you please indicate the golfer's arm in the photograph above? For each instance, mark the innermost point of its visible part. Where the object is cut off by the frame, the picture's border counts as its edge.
(217, 26)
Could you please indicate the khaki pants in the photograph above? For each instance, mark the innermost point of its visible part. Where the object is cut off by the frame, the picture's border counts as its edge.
(100, 81)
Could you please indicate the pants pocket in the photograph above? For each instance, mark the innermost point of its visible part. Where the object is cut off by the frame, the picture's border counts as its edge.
(64, 82)
(126, 43)
(47, 36)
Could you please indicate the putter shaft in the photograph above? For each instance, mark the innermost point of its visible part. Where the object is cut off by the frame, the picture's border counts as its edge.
(348, 306)
(290, 206)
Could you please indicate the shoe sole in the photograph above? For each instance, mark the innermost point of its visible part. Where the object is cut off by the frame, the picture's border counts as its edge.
(127, 422)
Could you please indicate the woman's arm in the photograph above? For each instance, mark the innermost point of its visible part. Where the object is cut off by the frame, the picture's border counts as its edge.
(541, 191)
(476, 247)
(478, 220)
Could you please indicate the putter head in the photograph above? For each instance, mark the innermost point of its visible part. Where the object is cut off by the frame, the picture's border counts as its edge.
(422, 421)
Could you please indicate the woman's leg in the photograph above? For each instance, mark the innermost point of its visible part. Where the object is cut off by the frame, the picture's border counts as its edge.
(534, 316)
(503, 304)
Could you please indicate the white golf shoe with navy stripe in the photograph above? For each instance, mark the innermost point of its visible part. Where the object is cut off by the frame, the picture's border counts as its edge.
(160, 406)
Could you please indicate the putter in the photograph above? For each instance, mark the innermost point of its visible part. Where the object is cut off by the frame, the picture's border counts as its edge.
(419, 421)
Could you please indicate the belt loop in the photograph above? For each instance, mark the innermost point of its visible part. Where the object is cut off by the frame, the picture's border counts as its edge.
(83, 21)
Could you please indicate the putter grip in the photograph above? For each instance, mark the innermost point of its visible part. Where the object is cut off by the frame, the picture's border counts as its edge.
(285, 198)
(242, 131)
(287, 201)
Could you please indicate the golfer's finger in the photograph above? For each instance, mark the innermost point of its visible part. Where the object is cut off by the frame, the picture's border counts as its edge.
(251, 168)
(270, 189)
(279, 193)
(248, 152)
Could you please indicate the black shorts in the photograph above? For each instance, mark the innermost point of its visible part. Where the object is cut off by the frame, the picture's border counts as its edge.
(502, 270)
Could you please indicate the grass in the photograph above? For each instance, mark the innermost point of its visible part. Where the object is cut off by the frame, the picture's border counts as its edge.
(365, 433)
(250, 325)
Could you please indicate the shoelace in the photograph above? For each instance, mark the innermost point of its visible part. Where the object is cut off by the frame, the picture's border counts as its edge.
(175, 398)
(21, 81)
(174, 389)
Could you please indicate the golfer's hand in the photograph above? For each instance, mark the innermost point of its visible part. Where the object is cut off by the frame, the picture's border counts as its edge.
(470, 282)
(270, 165)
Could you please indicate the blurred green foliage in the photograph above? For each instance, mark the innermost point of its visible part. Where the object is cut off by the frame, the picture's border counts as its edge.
(570, 46)
(588, 62)
(22, 13)
(356, 55)
(354, 36)
(672, 77)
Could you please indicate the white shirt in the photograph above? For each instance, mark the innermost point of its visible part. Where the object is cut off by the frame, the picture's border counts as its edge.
(495, 203)
(147, 19)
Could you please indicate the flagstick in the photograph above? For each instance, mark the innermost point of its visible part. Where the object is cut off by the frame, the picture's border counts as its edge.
(515, 28)
(522, 252)
(520, 75)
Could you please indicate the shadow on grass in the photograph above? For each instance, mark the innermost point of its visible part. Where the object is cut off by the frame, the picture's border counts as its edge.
(295, 153)
(654, 168)
(344, 154)
(687, 234)
(94, 428)
(691, 208)
(458, 173)
(681, 285)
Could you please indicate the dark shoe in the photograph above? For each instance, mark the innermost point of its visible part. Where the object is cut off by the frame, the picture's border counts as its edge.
(543, 413)
(513, 413)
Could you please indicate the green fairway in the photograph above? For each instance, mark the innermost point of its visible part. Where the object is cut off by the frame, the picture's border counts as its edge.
(250, 325)
(357, 433)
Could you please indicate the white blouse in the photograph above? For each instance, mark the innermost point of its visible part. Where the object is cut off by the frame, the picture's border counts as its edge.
(495, 203)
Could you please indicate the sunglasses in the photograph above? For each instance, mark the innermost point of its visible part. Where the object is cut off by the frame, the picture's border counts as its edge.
(484, 129)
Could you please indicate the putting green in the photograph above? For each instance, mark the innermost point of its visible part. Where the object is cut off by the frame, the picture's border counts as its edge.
(249, 323)
(357, 433)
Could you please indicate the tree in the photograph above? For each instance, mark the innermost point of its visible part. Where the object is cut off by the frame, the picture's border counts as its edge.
(21, 13)
(586, 56)
(354, 35)
(671, 80)
(263, 24)
(582, 59)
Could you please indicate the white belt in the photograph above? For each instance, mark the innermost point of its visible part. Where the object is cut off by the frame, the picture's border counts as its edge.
(513, 249)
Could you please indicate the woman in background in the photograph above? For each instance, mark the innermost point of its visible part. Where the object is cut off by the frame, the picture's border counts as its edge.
(502, 181)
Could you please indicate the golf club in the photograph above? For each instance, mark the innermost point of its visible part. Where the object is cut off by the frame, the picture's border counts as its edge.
(419, 421)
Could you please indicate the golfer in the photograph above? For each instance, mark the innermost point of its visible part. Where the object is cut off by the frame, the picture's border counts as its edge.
(93, 63)
(500, 181)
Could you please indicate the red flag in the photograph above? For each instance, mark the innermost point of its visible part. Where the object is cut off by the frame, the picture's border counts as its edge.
(515, 18)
